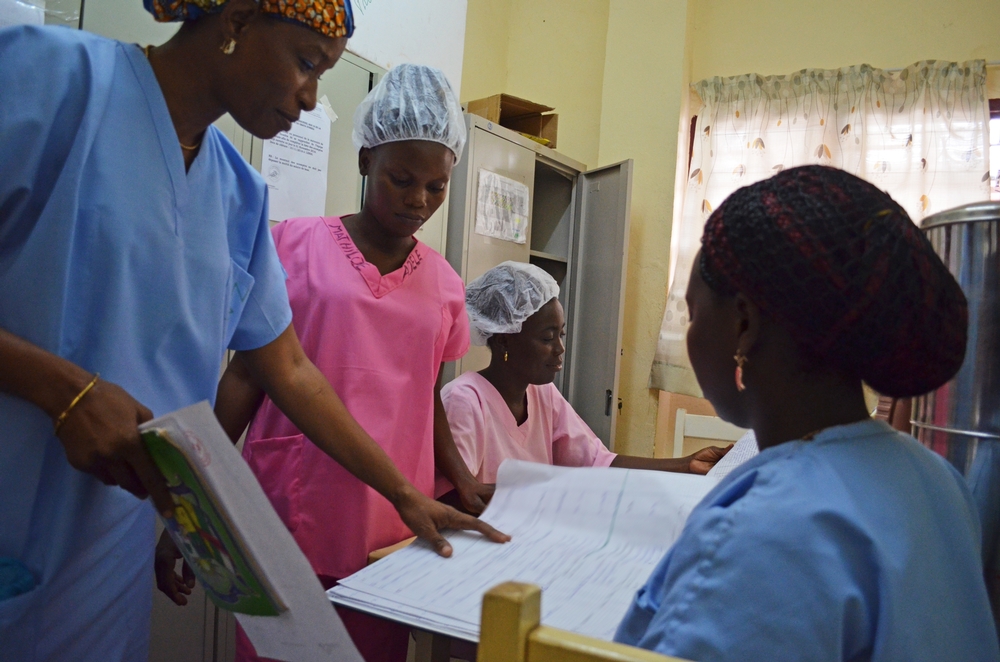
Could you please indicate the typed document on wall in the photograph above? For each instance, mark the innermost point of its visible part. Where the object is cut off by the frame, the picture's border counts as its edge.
(294, 165)
(22, 12)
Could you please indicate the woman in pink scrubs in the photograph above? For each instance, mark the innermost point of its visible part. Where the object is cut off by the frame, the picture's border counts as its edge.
(512, 409)
(378, 312)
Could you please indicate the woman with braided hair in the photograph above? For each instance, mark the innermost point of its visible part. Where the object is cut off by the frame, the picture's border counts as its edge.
(843, 539)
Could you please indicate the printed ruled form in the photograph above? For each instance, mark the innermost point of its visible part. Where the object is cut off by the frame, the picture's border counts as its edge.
(589, 537)
(744, 449)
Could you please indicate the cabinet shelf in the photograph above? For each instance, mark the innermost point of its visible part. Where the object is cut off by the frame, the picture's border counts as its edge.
(548, 256)
(576, 217)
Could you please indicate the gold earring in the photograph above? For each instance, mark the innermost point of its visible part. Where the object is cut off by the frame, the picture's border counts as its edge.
(228, 47)
(740, 362)
(505, 355)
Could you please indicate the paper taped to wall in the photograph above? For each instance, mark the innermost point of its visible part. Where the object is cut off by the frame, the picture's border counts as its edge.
(22, 12)
(294, 165)
(502, 208)
(589, 537)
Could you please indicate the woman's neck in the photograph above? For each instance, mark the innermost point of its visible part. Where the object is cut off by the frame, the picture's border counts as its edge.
(514, 391)
(799, 410)
(386, 252)
(186, 84)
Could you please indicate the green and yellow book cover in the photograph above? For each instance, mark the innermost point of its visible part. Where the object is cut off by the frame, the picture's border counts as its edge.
(206, 537)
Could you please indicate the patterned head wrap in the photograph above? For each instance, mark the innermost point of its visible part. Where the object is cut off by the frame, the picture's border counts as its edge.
(332, 18)
(845, 271)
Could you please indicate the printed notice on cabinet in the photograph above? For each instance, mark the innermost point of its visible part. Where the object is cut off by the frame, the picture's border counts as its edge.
(294, 165)
(502, 208)
(22, 12)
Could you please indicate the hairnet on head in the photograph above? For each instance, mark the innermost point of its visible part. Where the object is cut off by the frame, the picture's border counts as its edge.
(502, 298)
(411, 102)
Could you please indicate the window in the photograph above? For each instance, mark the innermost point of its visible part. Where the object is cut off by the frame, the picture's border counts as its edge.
(994, 149)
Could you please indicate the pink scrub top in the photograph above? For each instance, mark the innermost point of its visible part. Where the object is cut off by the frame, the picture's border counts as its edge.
(380, 340)
(486, 433)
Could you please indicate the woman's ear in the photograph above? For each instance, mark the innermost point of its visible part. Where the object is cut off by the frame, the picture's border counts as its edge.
(748, 324)
(498, 343)
(364, 161)
(237, 16)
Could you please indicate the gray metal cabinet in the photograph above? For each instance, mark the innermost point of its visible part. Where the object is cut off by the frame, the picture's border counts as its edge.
(578, 232)
(469, 253)
(595, 312)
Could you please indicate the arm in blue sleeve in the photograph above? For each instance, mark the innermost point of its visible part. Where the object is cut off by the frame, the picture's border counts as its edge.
(756, 581)
(41, 116)
(266, 313)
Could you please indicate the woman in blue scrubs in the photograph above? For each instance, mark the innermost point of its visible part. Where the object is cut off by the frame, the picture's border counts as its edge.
(134, 249)
(844, 539)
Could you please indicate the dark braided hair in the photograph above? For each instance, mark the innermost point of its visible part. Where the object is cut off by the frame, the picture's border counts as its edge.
(841, 266)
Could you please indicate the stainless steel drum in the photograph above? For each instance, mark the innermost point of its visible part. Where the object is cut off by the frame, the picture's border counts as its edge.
(961, 420)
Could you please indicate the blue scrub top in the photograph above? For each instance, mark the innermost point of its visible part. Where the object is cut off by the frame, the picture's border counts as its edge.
(114, 257)
(858, 545)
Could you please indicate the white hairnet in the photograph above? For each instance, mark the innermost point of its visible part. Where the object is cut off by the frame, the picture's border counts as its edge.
(502, 298)
(411, 102)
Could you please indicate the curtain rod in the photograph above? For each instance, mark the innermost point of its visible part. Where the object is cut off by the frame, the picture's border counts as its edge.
(994, 63)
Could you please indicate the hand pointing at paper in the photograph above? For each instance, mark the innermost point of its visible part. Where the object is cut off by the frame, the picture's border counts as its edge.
(426, 518)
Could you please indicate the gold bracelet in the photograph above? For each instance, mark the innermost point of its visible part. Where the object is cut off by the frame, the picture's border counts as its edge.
(85, 391)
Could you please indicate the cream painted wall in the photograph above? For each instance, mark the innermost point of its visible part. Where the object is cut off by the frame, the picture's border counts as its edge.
(487, 34)
(643, 81)
(549, 51)
(731, 37)
(650, 51)
(556, 57)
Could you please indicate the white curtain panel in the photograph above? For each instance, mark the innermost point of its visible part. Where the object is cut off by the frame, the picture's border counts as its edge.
(921, 134)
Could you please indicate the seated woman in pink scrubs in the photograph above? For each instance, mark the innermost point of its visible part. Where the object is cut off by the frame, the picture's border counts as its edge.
(512, 409)
(378, 312)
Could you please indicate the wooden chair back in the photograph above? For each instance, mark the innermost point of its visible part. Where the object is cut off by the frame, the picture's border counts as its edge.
(702, 427)
(511, 631)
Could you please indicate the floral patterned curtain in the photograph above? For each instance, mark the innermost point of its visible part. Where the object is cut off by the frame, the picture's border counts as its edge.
(921, 134)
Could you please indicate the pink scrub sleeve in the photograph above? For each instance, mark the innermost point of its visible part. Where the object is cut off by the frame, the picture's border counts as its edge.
(574, 444)
(468, 425)
(456, 320)
(277, 231)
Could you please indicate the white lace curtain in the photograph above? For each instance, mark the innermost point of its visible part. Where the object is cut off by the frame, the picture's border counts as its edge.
(921, 134)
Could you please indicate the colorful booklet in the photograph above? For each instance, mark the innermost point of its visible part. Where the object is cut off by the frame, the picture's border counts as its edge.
(240, 551)
(203, 532)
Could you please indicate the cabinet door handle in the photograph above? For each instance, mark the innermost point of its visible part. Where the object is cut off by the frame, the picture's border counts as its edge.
(607, 402)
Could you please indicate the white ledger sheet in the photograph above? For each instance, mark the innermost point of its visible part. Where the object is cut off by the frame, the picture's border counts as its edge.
(743, 450)
(589, 537)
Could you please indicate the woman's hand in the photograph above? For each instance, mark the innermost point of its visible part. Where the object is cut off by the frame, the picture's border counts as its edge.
(174, 586)
(426, 517)
(705, 459)
(101, 437)
(474, 496)
(100, 432)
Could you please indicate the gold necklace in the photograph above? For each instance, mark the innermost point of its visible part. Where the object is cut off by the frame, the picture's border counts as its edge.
(189, 148)
(811, 435)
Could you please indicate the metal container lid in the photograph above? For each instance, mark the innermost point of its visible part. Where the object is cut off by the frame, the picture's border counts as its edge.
(975, 212)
